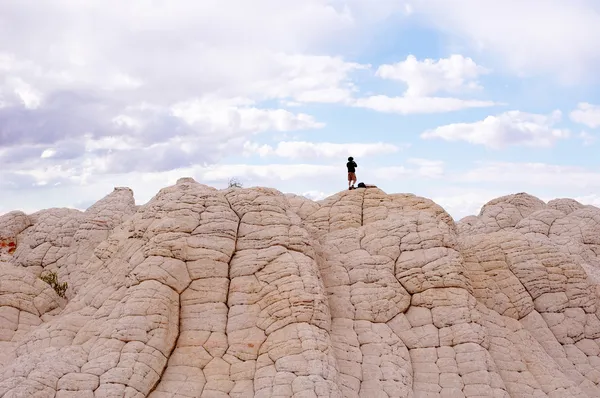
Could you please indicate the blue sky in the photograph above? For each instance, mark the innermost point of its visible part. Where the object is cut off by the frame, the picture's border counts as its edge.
(458, 102)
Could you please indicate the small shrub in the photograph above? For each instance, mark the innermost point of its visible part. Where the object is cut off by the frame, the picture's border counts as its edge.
(52, 279)
(234, 183)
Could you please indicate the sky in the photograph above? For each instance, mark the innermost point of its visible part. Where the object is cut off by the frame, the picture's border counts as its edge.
(458, 101)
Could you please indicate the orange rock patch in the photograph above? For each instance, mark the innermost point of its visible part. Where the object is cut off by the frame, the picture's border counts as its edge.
(8, 245)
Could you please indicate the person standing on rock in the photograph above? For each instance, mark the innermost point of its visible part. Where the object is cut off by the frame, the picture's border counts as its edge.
(351, 165)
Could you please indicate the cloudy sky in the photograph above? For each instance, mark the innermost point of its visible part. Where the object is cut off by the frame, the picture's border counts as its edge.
(459, 101)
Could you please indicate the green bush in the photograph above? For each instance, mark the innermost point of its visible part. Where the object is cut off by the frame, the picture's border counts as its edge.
(52, 279)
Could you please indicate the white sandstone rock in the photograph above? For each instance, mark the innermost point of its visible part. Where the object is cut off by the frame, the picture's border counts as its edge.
(252, 293)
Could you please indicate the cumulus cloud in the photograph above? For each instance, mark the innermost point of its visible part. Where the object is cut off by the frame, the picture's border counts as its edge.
(309, 78)
(166, 91)
(564, 50)
(470, 189)
(316, 195)
(416, 105)
(509, 128)
(591, 199)
(161, 142)
(532, 175)
(227, 118)
(453, 74)
(586, 114)
(52, 181)
(163, 86)
(420, 168)
(271, 172)
(587, 138)
(465, 202)
(164, 52)
(308, 150)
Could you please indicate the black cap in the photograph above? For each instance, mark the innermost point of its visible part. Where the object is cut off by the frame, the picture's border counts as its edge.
(350, 158)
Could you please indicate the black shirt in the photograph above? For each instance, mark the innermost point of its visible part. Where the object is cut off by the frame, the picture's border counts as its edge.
(351, 166)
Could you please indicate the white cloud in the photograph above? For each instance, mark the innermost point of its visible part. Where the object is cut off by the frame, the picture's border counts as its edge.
(316, 195)
(453, 74)
(165, 87)
(127, 121)
(109, 143)
(542, 36)
(427, 167)
(529, 175)
(29, 96)
(252, 148)
(463, 194)
(267, 55)
(61, 184)
(587, 138)
(309, 78)
(424, 78)
(307, 150)
(469, 201)
(266, 172)
(466, 203)
(468, 190)
(226, 116)
(133, 80)
(591, 199)
(48, 153)
(422, 168)
(195, 133)
(586, 114)
(412, 105)
(166, 92)
(509, 128)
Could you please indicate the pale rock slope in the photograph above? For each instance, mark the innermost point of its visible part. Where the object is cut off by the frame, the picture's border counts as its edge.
(253, 293)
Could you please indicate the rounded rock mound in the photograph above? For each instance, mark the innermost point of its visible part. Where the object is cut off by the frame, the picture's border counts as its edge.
(253, 293)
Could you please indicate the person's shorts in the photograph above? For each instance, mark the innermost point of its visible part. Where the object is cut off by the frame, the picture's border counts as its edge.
(351, 176)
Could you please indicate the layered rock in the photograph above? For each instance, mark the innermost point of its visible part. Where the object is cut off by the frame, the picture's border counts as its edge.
(253, 293)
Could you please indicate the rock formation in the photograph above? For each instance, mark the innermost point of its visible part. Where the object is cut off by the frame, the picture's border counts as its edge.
(253, 293)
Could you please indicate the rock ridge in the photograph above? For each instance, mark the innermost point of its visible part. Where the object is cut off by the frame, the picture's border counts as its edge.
(254, 293)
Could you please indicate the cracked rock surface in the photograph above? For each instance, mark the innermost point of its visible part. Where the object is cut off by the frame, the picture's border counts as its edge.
(253, 293)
